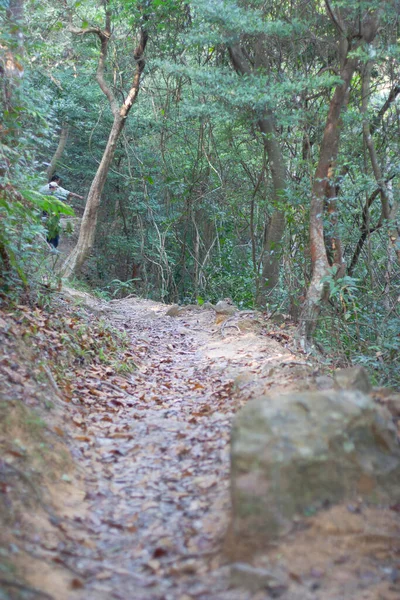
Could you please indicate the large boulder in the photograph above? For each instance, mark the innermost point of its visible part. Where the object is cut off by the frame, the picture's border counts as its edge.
(292, 455)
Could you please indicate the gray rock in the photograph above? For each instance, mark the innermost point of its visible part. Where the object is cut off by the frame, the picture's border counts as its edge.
(225, 307)
(292, 455)
(393, 405)
(324, 382)
(207, 306)
(173, 311)
(190, 308)
(353, 378)
(277, 319)
(255, 578)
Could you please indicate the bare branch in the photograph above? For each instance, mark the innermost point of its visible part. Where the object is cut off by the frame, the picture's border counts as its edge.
(394, 92)
(138, 56)
(365, 228)
(334, 19)
(79, 31)
(370, 143)
(104, 35)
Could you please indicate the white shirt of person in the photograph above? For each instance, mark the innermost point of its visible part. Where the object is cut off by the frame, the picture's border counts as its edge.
(53, 189)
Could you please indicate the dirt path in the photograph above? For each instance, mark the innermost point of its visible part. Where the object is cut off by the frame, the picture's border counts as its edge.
(159, 472)
(147, 516)
(155, 462)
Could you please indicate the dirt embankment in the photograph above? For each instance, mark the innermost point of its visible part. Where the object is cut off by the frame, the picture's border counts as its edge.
(140, 507)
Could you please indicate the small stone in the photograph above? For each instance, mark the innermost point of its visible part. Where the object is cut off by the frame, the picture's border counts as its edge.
(189, 308)
(207, 306)
(225, 307)
(173, 311)
(354, 378)
(254, 578)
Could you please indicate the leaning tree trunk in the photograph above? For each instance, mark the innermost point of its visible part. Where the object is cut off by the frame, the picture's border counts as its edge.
(365, 30)
(79, 254)
(59, 151)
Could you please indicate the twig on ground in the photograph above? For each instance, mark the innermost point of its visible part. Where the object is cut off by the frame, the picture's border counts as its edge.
(232, 325)
(53, 383)
(228, 324)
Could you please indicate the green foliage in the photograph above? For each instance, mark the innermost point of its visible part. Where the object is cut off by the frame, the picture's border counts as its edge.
(22, 236)
(120, 289)
(190, 193)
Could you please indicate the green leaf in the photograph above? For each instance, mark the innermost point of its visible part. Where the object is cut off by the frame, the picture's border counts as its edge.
(48, 203)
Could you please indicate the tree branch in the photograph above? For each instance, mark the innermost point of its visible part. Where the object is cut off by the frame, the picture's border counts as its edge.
(79, 31)
(334, 19)
(394, 92)
(104, 37)
(138, 56)
(365, 229)
(370, 143)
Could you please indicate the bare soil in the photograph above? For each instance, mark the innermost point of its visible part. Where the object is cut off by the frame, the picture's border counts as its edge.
(144, 511)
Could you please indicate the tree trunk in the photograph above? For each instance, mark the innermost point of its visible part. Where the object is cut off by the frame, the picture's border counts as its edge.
(328, 154)
(276, 225)
(75, 260)
(59, 152)
(87, 231)
(364, 31)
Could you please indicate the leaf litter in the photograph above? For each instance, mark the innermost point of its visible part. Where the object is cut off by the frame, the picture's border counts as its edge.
(149, 426)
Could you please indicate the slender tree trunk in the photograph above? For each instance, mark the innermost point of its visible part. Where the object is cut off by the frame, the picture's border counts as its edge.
(364, 31)
(79, 254)
(59, 151)
(366, 230)
(369, 142)
(87, 231)
(276, 225)
(328, 154)
(388, 214)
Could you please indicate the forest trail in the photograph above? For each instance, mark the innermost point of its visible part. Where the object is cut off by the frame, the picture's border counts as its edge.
(157, 465)
(146, 516)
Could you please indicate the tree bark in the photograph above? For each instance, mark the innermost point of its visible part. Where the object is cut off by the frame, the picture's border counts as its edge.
(276, 226)
(59, 151)
(364, 32)
(328, 155)
(11, 69)
(74, 262)
(369, 142)
(79, 254)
